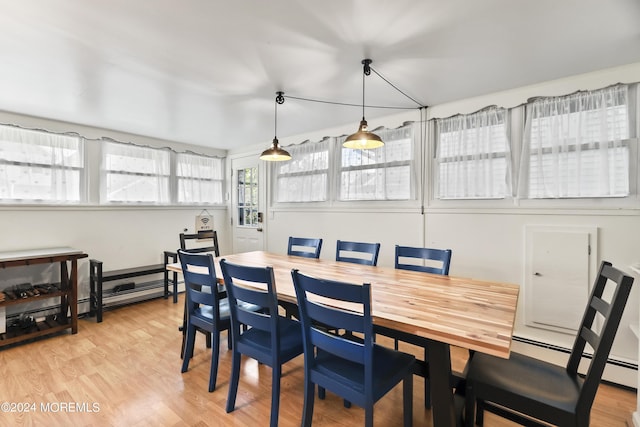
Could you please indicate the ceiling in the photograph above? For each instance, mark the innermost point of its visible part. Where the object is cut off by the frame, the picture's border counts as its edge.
(205, 72)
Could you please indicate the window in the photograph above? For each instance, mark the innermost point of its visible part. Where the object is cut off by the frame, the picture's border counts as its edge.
(380, 174)
(134, 174)
(200, 179)
(305, 177)
(472, 156)
(248, 197)
(38, 166)
(577, 145)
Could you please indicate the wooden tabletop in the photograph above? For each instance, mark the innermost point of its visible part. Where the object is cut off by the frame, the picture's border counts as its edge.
(473, 314)
(38, 253)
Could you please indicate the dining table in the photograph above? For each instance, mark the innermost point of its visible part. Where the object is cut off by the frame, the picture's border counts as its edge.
(429, 310)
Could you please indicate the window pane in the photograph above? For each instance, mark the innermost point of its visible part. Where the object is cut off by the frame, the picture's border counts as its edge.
(39, 184)
(133, 174)
(38, 166)
(304, 178)
(383, 173)
(247, 190)
(199, 179)
(127, 188)
(473, 156)
(577, 145)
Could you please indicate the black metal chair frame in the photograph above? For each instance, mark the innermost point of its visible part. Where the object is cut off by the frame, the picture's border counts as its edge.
(525, 390)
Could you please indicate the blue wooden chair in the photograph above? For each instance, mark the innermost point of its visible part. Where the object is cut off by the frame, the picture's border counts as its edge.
(304, 247)
(533, 392)
(205, 310)
(360, 371)
(263, 335)
(346, 252)
(308, 248)
(413, 258)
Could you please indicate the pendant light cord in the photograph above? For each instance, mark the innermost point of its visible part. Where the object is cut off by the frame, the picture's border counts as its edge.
(364, 73)
(279, 100)
(367, 68)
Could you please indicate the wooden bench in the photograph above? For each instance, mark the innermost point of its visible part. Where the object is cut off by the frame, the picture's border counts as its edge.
(97, 278)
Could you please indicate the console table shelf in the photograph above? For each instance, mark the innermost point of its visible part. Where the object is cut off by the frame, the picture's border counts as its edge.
(67, 293)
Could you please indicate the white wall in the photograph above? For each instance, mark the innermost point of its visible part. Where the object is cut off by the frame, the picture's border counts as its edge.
(487, 243)
(121, 237)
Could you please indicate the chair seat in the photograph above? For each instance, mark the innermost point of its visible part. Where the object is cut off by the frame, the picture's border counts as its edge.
(206, 312)
(389, 367)
(290, 339)
(527, 384)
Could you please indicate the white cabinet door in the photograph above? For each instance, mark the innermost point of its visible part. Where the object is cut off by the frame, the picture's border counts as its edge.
(557, 277)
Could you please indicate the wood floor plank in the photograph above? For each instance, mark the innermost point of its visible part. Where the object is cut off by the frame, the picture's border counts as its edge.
(125, 371)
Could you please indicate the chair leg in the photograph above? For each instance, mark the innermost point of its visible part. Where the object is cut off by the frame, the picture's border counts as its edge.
(175, 288)
(407, 397)
(321, 393)
(275, 394)
(480, 412)
(229, 339)
(215, 353)
(235, 377)
(469, 406)
(184, 342)
(188, 347)
(309, 397)
(368, 415)
(208, 334)
(427, 386)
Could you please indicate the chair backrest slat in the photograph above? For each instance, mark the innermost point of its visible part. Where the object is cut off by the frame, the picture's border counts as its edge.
(357, 252)
(304, 247)
(335, 318)
(207, 241)
(601, 305)
(442, 256)
(590, 337)
(339, 346)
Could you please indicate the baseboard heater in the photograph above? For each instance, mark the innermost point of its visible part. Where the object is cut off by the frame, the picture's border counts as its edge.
(548, 346)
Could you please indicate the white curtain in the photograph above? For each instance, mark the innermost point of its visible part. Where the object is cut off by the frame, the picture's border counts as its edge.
(473, 156)
(575, 145)
(134, 174)
(385, 173)
(200, 179)
(304, 178)
(38, 166)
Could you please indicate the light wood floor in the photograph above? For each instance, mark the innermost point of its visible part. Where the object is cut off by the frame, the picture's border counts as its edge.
(126, 372)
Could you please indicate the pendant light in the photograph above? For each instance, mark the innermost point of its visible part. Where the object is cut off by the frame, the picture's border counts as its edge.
(363, 139)
(275, 153)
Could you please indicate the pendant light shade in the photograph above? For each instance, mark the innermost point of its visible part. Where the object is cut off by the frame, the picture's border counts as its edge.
(275, 153)
(363, 139)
